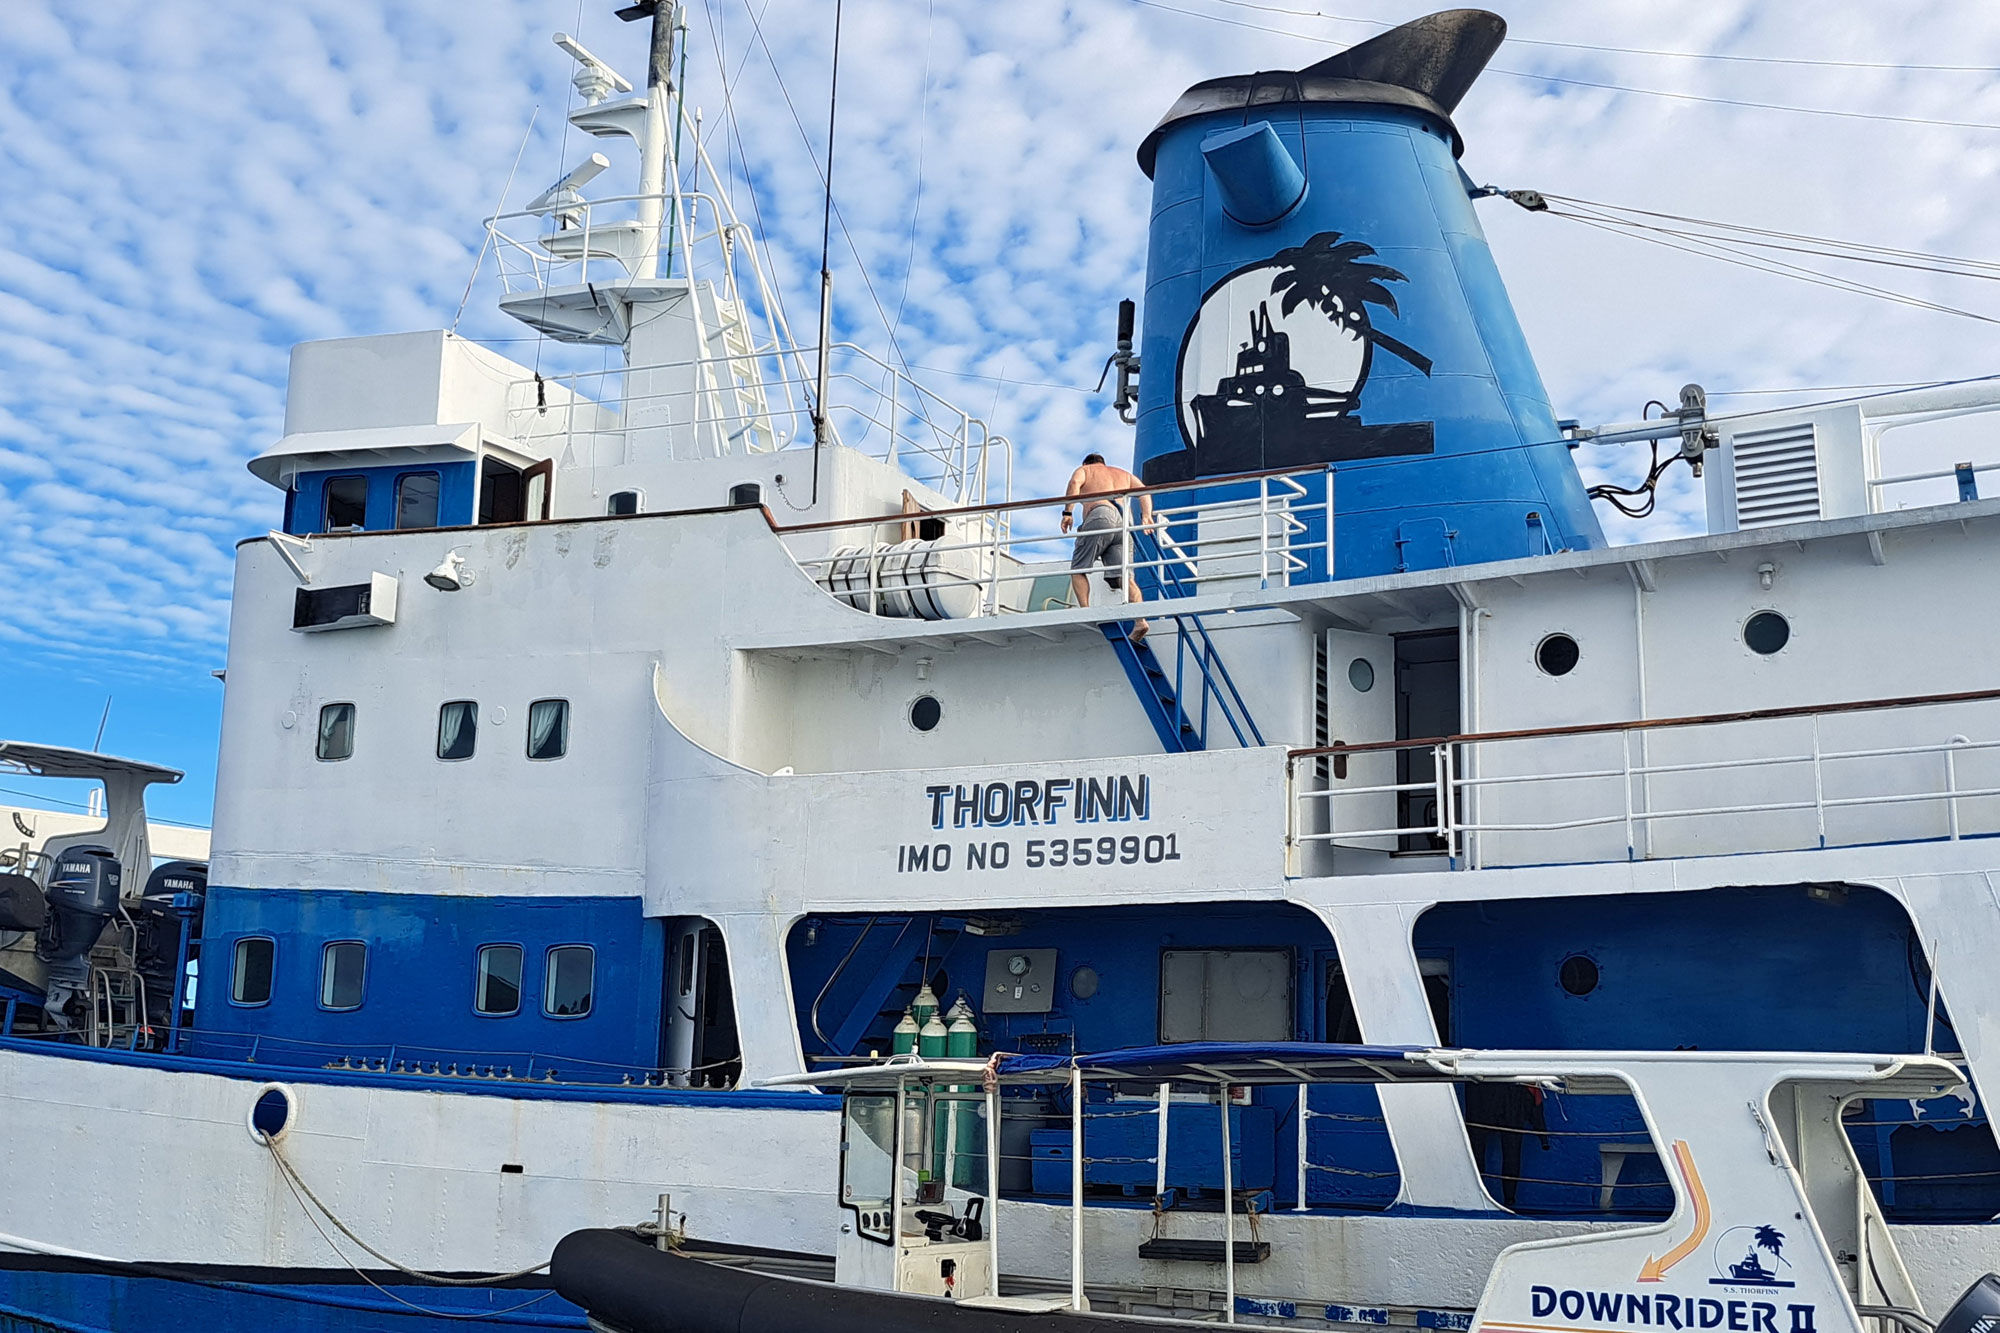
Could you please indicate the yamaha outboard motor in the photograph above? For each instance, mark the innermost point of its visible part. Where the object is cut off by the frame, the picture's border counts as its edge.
(1977, 1311)
(167, 914)
(1319, 292)
(82, 897)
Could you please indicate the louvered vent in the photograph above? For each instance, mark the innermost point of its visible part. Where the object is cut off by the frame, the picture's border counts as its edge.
(1777, 476)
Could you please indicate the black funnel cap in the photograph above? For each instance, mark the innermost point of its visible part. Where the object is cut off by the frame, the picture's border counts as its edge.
(1426, 65)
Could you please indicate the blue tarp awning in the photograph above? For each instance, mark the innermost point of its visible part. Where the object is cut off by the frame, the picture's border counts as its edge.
(1239, 1062)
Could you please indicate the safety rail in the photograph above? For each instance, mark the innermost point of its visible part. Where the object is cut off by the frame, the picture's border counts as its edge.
(873, 407)
(1657, 788)
(1249, 530)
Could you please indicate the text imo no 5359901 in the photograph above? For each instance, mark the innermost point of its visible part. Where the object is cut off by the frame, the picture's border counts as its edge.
(1107, 849)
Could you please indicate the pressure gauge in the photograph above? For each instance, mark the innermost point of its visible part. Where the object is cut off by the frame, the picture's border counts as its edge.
(1019, 965)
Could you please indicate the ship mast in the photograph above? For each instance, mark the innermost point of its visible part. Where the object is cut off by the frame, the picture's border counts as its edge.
(659, 98)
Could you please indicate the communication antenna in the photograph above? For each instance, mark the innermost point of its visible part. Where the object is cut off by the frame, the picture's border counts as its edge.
(102, 719)
(825, 269)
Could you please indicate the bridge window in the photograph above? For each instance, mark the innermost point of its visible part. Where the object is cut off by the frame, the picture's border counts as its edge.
(336, 732)
(250, 979)
(417, 500)
(497, 992)
(458, 725)
(571, 971)
(346, 503)
(548, 728)
(342, 967)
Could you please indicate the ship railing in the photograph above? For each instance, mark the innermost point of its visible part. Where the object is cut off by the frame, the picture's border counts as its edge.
(1765, 780)
(758, 401)
(1248, 531)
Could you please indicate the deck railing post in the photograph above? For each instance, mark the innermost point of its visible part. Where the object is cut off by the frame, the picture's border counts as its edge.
(1951, 780)
(1304, 1111)
(1228, 1217)
(1264, 532)
(1631, 835)
(993, 1188)
(1075, 1188)
(1447, 829)
(1819, 784)
(1160, 1152)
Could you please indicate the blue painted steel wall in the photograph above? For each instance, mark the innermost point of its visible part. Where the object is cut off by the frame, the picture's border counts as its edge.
(1123, 946)
(305, 504)
(1385, 177)
(422, 952)
(1768, 968)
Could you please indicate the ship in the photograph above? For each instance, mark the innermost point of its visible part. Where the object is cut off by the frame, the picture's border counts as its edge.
(604, 754)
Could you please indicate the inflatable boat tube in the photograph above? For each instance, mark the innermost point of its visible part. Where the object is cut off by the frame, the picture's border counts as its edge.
(626, 1284)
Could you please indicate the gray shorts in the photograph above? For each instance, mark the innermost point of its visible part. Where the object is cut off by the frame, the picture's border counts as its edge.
(1100, 538)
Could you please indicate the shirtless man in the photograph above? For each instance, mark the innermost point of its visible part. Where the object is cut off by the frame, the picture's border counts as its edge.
(1100, 538)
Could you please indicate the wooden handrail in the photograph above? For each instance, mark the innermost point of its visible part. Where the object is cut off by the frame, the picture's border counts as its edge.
(1652, 724)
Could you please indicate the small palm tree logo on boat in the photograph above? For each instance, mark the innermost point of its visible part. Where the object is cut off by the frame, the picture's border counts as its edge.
(1751, 1269)
(1273, 364)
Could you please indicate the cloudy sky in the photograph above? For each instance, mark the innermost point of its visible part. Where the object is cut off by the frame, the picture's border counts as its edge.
(195, 185)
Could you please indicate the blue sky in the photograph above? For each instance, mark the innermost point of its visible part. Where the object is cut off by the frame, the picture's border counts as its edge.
(196, 185)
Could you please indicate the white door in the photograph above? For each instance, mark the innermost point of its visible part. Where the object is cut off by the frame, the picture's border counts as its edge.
(1360, 707)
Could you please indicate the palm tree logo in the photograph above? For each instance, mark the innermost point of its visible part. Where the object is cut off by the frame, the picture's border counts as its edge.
(1751, 1267)
(1273, 363)
(1334, 275)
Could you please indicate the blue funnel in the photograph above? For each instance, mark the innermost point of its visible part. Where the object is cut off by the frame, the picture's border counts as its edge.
(1319, 292)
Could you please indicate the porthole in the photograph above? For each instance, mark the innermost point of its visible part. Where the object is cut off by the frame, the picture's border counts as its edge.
(1361, 675)
(1557, 655)
(1578, 974)
(925, 712)
(1766, 632)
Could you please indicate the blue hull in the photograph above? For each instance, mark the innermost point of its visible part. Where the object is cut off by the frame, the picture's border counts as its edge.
(70, 1300)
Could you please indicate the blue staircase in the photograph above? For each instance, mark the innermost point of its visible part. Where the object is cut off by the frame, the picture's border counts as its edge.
(1197, 669)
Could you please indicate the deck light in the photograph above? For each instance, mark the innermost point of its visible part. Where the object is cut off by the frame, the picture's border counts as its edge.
(451, 573)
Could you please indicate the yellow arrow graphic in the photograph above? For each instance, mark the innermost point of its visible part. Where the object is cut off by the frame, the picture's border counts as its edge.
(1655, 1269)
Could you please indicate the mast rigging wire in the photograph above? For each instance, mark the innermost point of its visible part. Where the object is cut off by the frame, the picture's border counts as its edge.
(825, 253)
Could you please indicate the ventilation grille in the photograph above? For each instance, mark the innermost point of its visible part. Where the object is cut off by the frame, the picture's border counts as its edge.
(1777, 476)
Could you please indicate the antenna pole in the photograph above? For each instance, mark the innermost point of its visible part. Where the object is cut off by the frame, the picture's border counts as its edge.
(825, 268)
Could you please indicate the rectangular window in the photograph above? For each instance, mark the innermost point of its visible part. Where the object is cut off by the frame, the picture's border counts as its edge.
(548, 728)
(417, 500)
(342, 967)
(336, 732)
(566, 994)
(498, 987)
(250, 980)
(346, 502)
(458, 721)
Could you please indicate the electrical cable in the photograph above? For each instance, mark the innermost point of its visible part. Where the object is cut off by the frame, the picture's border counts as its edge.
(1611, 87)
(1643, 51)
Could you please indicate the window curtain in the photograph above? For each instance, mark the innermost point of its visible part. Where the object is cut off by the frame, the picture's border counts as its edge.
(333, 732)
(546, 729)
(452, 726)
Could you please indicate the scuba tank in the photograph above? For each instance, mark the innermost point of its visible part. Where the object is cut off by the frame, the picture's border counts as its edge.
(931, 1037)
(962, 1034)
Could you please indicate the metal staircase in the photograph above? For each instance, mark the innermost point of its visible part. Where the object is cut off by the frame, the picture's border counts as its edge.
(1182, 723)
(889, 977)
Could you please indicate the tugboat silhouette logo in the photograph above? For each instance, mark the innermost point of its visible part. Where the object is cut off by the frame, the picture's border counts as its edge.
(1750, 1270)
(1286, 393)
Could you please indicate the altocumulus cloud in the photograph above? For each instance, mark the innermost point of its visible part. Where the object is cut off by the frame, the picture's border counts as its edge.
(196, 186)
